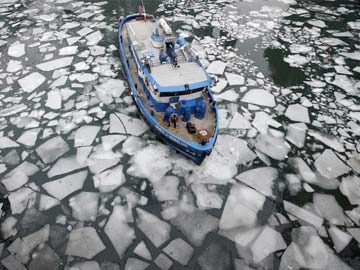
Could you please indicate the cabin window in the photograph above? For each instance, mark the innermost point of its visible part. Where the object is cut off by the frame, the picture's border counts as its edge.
(181, 93)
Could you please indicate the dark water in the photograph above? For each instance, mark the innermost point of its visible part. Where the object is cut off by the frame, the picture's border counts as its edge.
(255, 39)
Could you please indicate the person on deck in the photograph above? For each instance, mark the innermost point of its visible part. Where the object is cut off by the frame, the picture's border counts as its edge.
(173, 119)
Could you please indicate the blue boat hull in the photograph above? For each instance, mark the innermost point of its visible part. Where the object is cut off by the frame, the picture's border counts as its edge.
(194, 151)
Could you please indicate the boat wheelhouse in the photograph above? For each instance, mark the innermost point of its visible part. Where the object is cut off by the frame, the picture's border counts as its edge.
(169, 85)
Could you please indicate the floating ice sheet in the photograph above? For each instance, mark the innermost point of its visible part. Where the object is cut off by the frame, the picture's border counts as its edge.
(85, 135)
(84, 242)
(63, 187)
(329, 165)
(52, 149)
(259, 97)
(55, 64)
(118, 231)
(31, 82)
(121, 123)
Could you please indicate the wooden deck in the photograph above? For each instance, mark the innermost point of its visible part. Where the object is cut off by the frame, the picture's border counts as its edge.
(208, 122)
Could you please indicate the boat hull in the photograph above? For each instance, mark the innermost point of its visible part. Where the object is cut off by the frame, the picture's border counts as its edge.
(194, 151)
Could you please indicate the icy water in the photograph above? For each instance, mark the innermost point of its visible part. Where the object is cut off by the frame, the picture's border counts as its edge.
(86, 185)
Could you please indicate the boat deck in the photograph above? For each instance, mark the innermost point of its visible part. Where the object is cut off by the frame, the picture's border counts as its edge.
(208, 122)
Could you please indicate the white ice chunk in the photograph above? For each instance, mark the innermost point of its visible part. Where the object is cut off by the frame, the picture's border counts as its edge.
(293, 184)
(63, 187)
(14, 66)
(350, 187)
(47, 202)
(54, 100)
(220, 85)
(110, 89)
(32, 81)
(110, 141)
(72, 40)
(16, 50)
(241, 208)
(328, 140)
(239, 122)
(142, 251)
(94, 38)
(121, 123)
(266, 243)
(52, 149)
(297, 113)
(15, 180)
(84, 206)
(229, 95)
(70, 25)
(21, 199)
(303, 214)
(157, 230)
(296, 134)
(64, 165)
(259, 97)
(135, 264)
(327, 207)
(166, 188)
(330, 166)
(86, 265)
(346, 84)
(109, 180)
(216, 67)
(152, 162)
(6, 142)
(298, 48)
(7, 228)
(69, 50)
(84, 242)
(296, 60)
(194, 223)
(352, 55)
(274, 147)
(308, 251)
(29, 137)
(85, 135)
(118, 231)
(317, 23)
(179, 250)
(14, 109)
(234, 79)
(261, 179)
(228, 152)
(55, 64)
(355, 232)
(206, 199)
(340, 238)
(163, 262)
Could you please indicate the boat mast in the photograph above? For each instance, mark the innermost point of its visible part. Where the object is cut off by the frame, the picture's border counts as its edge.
(142, 3)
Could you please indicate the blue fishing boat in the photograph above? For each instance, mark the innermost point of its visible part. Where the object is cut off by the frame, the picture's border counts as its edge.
(169, 85)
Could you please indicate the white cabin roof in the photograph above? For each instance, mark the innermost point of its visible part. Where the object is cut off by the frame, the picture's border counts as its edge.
(165, 74)
(187, 73)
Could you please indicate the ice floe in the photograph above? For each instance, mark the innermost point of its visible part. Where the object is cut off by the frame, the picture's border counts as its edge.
(329, 165)
(84, 242)
(118, 231)
(63, 187)
(31, 82)
(55, 64)
(259, 97)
